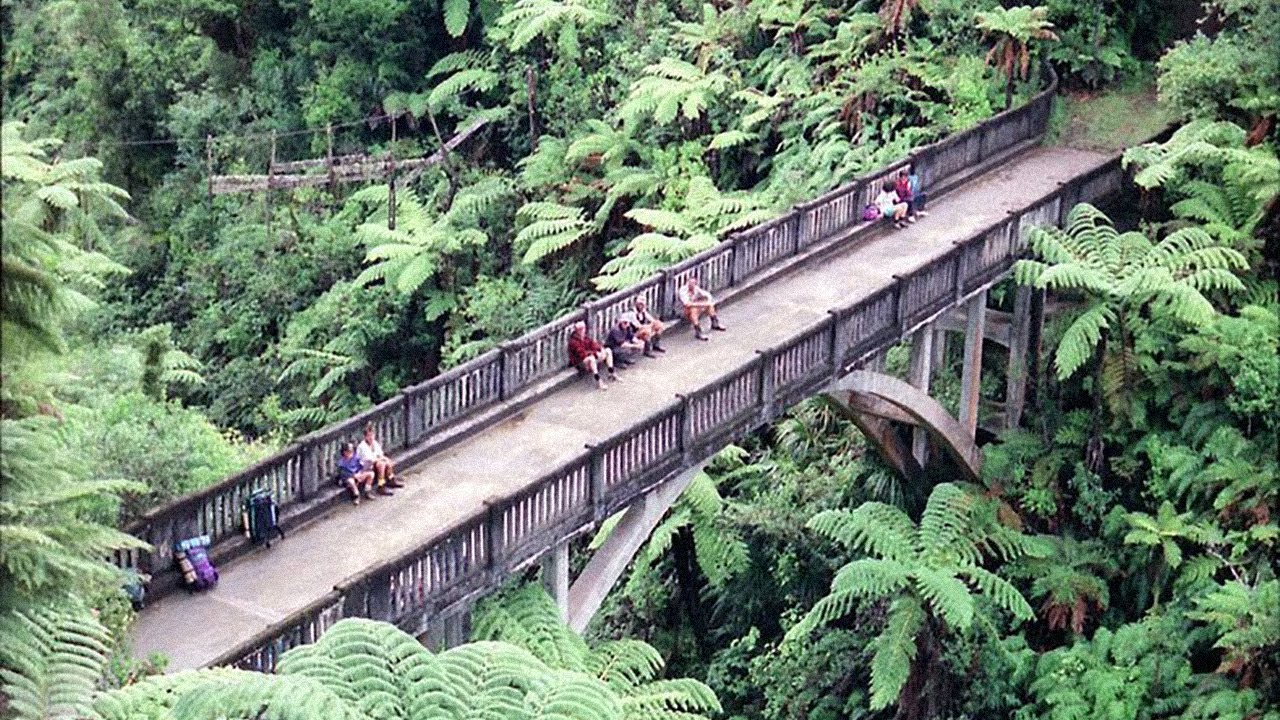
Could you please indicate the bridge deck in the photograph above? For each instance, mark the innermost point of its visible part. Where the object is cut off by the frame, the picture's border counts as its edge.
(266, 586)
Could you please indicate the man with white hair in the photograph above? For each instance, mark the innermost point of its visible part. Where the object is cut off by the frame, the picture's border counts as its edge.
(586, 354)
(697, 301)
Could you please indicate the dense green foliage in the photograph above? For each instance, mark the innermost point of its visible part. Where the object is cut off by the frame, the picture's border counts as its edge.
(1117, 559)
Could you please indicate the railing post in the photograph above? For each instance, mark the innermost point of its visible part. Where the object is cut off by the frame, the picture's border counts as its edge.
(309, 465)
(589, 316)
(767, 389)
(595, 478)
(494, 536)
(735, 268)
(355, 600)
(412, 429)
(667, 299)
(686, 426)
(380, 605)
(901, 310)
(838, 343)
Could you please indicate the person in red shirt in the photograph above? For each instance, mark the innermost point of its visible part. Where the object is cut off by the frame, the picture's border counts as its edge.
(586, 354)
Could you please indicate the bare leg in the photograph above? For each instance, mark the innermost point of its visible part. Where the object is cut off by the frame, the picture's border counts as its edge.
(590, 365)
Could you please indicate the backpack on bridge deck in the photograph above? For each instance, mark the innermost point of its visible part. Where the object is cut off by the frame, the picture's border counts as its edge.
(261, 517)
(871, 212)
(193, 560)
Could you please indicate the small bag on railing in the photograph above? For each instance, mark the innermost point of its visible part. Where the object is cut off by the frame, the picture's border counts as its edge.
(871, 212)
(198, 572)
(261, 517)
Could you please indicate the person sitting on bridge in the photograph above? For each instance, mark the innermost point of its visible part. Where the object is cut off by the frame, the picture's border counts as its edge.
(622, 341)
(372, 458)
(696, 302)
(908, 189)
(648, 327)
(586, 354)
(352, 476)
(891, 207)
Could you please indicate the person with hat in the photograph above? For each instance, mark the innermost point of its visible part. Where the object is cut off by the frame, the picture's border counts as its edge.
(622, 341)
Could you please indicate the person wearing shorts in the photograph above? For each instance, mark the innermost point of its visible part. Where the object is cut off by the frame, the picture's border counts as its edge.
(352, 476)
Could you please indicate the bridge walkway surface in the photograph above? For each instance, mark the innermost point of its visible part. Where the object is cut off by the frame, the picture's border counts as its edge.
(266, 586)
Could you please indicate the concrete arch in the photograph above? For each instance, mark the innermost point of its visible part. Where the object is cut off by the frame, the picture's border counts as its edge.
(869, 393)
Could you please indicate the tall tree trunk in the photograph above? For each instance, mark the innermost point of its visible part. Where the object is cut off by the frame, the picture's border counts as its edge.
(687, 587)
(1008, 91)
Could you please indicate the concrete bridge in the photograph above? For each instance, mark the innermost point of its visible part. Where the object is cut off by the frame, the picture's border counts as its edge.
(509, 457)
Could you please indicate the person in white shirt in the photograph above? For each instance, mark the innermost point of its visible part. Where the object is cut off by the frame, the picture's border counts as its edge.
(373, 458)
(648, 327)
(696, 302)
(891, 207)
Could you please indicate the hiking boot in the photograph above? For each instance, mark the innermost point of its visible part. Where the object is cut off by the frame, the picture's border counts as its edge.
(600, 384)
(395, 482)
(658, 348)
(368, 493)
(624, 362)
(385, 491)
(356, 501)
(649, 353)
(614, 376)
(911, 219)
(717, 326)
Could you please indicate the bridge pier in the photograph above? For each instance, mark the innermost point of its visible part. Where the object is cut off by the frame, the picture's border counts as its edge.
(971, 375)
(609, 561)
(1019, 346)
(555, 576)
(920, 374)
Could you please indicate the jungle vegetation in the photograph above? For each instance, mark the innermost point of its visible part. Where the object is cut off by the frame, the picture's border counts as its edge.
(1118, 558)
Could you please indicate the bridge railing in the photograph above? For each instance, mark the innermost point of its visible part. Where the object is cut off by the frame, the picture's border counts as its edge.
(477, 553)
(299, 473)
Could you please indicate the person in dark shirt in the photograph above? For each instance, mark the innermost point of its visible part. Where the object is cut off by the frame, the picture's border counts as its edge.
(587, 355)
(622, 341)
(909, 192)
(352, 476)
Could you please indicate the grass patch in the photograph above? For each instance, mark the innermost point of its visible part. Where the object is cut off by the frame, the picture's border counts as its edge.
(1109, 120)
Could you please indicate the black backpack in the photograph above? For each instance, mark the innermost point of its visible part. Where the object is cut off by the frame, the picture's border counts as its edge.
(261, 517)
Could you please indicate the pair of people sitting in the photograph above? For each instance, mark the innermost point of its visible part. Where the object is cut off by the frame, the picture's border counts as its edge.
(902, 201)
(637, 332)
(361, 467)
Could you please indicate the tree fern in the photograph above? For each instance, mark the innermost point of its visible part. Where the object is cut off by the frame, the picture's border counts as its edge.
(529, 20)
(50, 663)
(628, 669)
(551, 227)
(931, 572)
(1122, 273)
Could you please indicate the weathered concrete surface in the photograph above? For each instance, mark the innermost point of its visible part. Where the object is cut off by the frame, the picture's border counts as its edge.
(267, 585)
(928, 413)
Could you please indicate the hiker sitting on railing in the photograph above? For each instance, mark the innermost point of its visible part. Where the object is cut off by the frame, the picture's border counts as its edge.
(586, 354)
(372, 458)
(648, 327)
(891, 208)
(908, 189)
(622, 341)
(696, 302)
(352, 475)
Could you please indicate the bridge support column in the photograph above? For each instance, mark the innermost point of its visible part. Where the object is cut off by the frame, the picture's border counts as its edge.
(921, 373)
(631, 531)
(1019, 344)
(971, 376)
(939, 349)
(555, 576)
